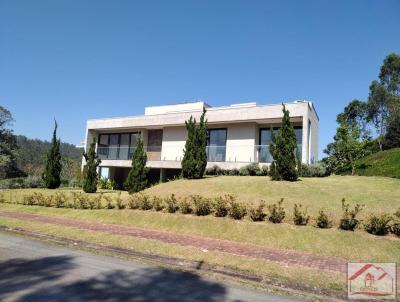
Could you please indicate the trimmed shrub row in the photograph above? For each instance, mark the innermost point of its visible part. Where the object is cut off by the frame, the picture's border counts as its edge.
(221, 206)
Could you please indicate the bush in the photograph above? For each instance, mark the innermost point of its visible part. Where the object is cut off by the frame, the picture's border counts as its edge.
(60, 200)
(221, 205)
(315, 170)
(172, 204)
(22, 182)
(257, 213)
(145, 202)
(106, 184)
(395, 229)
(250, 170)
(237, 210)
(186, 206)
(276, 212)
(49, 201)
(233, 172)
(214, 170)
(202, 205)
(300, 217)
(109, 202)
(119, 202)
(95, 202)
(263, 171)
(158, 203)
(37, 199)
(323, 221)
(2, 199)
(378, 224)
(133, 201)
(349, 219)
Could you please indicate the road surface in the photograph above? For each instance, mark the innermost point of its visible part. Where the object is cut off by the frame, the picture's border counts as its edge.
(36, 271)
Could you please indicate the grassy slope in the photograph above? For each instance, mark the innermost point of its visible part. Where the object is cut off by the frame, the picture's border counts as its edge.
(385, 163)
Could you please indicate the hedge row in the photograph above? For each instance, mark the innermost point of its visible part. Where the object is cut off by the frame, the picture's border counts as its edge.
(221, 206)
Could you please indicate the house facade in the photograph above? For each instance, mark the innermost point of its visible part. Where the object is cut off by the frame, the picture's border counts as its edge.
(238, 134)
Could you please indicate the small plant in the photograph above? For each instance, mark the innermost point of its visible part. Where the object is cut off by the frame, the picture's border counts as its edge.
(378, 224)
(109, 202)
(31, 200)
(95, 202)
(263, 171)
(134, 202)
(300, 217)
(145, 202)
(323, 221)
(202, 205)
(2, 199)
(237, 210)
(60, 200)
(276, 212)
(186, 206)
(158, 204)
(257, 213)
(119, 202)
(48, 201)
(172, 204)
(349, 219)
(395, 229)
(221, 205)
(106, 184)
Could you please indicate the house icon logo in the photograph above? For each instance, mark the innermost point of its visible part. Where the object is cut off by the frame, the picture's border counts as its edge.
(371, 281)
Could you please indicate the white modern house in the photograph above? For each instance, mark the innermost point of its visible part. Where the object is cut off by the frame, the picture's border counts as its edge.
(238, 134)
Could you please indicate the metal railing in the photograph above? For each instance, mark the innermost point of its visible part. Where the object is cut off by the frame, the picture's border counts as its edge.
(239, 153)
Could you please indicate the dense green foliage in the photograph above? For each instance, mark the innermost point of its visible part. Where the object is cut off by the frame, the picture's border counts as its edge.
(283, 150)
(195, 156)
(90, 177)
(137, 177)
(8, 147)
(383, 163)
(52, 172)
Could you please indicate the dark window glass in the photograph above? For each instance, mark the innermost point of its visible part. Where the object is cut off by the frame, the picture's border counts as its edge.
(216, 148)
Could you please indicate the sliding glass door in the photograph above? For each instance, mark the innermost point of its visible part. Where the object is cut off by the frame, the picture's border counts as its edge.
(216, 147)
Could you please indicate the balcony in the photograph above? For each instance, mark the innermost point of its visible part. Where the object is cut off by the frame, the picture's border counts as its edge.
(126, 153)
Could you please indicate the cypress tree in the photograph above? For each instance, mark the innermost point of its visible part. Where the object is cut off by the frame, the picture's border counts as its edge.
(188, 161)
(90, 169)
(137, 177)
(283, 150)
(195, 153)
(52, 172)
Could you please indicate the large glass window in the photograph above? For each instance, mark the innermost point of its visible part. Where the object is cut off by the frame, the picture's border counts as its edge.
(216, 147)
(117, 145)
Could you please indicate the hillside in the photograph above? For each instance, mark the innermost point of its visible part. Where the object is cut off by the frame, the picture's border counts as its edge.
(384, 163)
(31, 155)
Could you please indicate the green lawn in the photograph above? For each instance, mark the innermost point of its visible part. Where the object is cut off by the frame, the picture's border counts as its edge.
(385, 163)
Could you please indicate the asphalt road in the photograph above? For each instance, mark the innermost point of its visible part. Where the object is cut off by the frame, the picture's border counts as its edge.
(36, 271)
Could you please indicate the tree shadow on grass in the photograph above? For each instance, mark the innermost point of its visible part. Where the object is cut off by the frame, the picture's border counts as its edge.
(141, 285)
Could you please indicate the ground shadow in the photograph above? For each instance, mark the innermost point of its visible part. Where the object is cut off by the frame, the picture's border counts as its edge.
(144, 285)
(22, 274)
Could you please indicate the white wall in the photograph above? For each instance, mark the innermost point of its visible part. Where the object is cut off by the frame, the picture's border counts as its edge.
(174, 139)
(241, 139)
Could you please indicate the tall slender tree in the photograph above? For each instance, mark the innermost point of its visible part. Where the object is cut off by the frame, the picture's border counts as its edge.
(137, 177)
(52, 172)
(90, 176)
(283, 150)
(195, 153)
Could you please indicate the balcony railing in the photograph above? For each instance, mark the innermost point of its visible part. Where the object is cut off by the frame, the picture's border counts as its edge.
(240, 153)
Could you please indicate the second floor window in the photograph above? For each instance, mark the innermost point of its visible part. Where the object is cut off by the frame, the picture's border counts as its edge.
(216, 145)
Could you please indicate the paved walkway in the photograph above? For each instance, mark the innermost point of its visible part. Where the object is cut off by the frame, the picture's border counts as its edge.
(286, 257)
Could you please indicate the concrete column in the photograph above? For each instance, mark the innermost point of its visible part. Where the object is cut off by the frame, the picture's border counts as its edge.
(162, 175)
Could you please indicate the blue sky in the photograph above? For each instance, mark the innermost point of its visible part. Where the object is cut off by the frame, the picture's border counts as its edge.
(75, 60)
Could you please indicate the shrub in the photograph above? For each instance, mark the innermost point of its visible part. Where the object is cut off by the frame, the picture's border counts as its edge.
(315, 170)
(221, 205)
(300, 217)
(202, 205)
(237, 210)
(158, 203)
(60, 200)
(323, 221)
(119, 202)
(378, 224)
(95, 202)
(276, 212)
(263, 171)
(250, 169)
(80, 200)
(172, 204)
(2, 199)
(106, 184)
(49, 201)
(214, 170)
(134, 202)
(109, 202)
(257, 213)
(145, 202)
(33, 182)
(34, 199)
(233, 172)
(395, 229)
(349, 219)
(186, 206)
